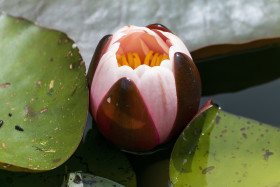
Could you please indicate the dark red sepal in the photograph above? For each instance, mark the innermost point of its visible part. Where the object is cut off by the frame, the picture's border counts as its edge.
(96, 57)
(123, 118)
(188, 88)
(158, 27)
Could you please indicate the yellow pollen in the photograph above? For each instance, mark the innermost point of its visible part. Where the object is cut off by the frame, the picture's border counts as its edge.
(133, 60)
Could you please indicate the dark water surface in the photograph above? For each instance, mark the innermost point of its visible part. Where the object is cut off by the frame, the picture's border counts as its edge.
(261, 103)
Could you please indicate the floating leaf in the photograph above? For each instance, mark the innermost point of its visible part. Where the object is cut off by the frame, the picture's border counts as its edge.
(87, 180)
(221, 149)
(232, 67)
(43, 96)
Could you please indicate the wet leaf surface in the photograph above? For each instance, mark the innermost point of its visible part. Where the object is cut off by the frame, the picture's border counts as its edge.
(43, 96)
(221, 149)
(78, 179)
(94, 155)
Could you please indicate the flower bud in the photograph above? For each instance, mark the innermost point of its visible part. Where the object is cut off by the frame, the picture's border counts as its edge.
(144, 86)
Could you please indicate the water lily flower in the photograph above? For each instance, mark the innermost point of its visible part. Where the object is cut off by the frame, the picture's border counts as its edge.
(144, 86)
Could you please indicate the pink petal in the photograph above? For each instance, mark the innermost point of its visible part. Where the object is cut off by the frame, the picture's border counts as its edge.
(123, 118)
(177, 45)
(157, 88)
(106, 74)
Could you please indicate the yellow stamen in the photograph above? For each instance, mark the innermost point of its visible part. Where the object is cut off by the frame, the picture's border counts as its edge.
(159, 60)
(124, 61)
(130, 59)
(133, 60)
(137, 61)
(147, 58)
(165, 57)
(154, 60)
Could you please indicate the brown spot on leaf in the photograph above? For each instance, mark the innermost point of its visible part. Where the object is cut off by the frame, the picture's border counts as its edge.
(39, 83)
(5, 85)
(242, 129)
(267, 154)
(51, 59)
(208, 169)
(82, 63)
(31, 100)
(37, 148)
(74, 91)
(43, 110)
(244, 135)
(218, 118)
(59, 41)
(29, 111)
(4, 145)
(51, 84)
(56, 160)
(224, 131)
(69, 53)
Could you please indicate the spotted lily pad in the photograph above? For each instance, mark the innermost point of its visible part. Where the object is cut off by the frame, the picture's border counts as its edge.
(94, 155)
(43, 96)
(221, 149)
(78, 179)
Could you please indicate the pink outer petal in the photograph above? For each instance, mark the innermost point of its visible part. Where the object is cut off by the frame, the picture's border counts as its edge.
(157, 87)
(123, 118)
(106, 75)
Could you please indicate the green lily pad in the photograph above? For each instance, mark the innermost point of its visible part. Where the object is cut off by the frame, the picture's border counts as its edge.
(221, 149)
(94, 155)
(78, 179)
(43, 96)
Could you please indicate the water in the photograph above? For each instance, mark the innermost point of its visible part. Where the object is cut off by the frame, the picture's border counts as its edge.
(261, 103)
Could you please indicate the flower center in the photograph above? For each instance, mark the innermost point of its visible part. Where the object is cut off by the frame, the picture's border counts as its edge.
(133, 60)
